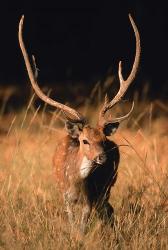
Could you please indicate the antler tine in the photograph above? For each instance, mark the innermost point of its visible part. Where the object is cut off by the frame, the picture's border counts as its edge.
(70, 112)
(124, 117)
(124, 84)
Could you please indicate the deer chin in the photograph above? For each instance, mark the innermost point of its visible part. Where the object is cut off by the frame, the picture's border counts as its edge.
(86, 167)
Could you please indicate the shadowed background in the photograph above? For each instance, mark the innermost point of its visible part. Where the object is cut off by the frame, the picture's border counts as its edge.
(79, 46)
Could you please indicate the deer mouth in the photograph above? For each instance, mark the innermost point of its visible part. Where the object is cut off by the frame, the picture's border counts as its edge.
(100, 159)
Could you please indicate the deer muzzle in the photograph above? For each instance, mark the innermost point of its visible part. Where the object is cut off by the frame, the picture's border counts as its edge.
(101, 159)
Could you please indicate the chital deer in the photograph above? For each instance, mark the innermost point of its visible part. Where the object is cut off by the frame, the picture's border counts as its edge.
(86, 161)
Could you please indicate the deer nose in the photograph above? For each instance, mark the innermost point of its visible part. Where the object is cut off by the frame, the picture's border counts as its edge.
(100, 159)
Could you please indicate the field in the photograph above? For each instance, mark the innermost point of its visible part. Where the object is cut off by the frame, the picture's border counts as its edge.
(32, 216)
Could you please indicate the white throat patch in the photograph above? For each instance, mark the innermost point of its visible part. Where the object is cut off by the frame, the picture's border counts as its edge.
(85, 167)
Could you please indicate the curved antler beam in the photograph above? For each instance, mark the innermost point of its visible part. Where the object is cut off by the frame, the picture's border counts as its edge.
(76, 116)
(124, 84)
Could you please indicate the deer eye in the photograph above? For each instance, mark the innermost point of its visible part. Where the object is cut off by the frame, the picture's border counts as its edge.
(86, 142)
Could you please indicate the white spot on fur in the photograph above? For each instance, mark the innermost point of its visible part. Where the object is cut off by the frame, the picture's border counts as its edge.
(85, 167)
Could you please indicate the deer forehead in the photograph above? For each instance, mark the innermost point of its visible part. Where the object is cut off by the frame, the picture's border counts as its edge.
(94, 135)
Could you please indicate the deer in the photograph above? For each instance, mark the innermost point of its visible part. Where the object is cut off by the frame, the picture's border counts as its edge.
(86, 160)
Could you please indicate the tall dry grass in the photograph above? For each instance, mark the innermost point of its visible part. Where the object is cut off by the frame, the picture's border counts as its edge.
(32, 215)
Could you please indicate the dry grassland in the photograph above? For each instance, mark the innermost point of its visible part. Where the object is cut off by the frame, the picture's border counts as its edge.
(32, 215)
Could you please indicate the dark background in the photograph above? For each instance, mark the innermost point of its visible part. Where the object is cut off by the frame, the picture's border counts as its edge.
(79, 44)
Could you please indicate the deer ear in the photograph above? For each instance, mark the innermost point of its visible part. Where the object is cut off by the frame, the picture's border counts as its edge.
(73, 129)
(110, 128)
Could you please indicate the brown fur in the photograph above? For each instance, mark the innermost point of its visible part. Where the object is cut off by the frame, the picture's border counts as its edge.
(94, 188)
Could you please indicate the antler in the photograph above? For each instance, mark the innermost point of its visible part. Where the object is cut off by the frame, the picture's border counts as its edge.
(124, 84)
(77, 117)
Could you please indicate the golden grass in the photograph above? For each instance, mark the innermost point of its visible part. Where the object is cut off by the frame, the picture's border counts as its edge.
(31, 213)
